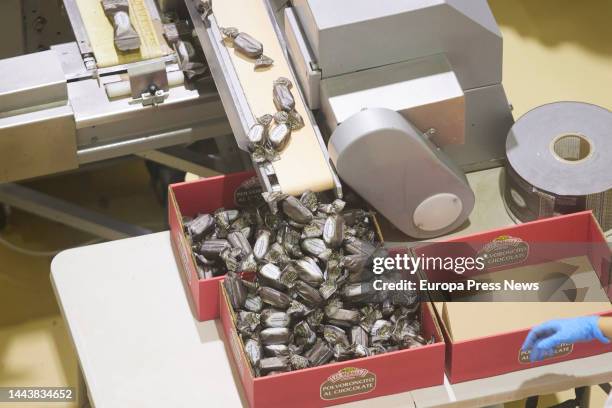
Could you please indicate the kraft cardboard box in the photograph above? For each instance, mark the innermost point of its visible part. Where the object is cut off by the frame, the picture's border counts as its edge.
(484, 339)
(342, 382)
(495, 318)
(563, 280)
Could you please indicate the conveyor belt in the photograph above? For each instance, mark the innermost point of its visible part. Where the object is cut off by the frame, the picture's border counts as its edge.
(302, 165)
(100, 32)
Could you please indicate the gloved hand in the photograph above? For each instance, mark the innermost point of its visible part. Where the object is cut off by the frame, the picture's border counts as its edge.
(543, 339)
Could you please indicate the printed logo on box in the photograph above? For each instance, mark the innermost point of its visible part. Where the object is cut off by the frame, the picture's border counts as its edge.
(248, 193)
(560, 351)
(348, 382)
(503, 251)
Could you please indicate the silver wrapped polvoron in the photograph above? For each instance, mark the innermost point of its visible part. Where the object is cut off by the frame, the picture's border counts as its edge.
(281, 93)
(118, 12)
(248, 46)
(274, 335)
(270, 364)
(239, 241)
(274, 318)
(274, 297)
(262, 244)
(309, 272)
(200, 226)
(319, 354)
(297, 211)
(333, 231)
(279, 136)
(257, 134)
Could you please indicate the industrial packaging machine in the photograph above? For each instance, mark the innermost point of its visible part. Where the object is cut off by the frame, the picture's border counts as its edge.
(434, 66)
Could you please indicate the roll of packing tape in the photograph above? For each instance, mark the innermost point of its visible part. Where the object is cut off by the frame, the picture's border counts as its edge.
(559, 162)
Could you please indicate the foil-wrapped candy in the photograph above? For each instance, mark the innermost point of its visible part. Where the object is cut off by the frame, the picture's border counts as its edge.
(297, 310)
(204, 7)
(310, 299)
(281, 94)
(310, 200)
(333, 231)
(274, 297)
(274, 318)
(277, 255)
(257, 135)
(295, 120)
(247, 45)
(247, 322)
(118, 12)
(289, 275)
(201, 225)
(281, 117)
(309, 272)
(276, 350)
(231, 258)
(271, 364)
(316, 247)
(253, 303)
(309, 294)
(381, 331)
(359, 336)
(236, 291)
(349, 317)
(358, 246)
(279, 135)
(270, 275)
(253, 351)
(319, 354)
(265, 120)
(214, 247)
(262, 244)
(296, 210)
(304, 334)
(328, 288)
(335, 335)
(274, 335)
(298, 362)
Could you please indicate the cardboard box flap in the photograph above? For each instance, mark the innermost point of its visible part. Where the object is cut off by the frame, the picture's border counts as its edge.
(498, 318)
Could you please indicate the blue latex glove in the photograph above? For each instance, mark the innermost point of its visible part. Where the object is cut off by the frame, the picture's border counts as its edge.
(543, 339)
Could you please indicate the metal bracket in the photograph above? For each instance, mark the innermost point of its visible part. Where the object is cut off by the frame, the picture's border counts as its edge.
(151, 99)
(148, 83)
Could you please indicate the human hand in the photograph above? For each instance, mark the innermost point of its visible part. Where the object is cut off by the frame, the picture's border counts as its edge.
(543, 339)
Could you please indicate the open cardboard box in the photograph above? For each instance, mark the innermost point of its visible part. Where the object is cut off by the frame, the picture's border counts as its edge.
(484, 339)
(187, 200)
(206, 196)
(342, 382)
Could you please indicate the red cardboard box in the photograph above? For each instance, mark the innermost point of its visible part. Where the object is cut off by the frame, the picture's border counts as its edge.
(490, 355)
(343, 382)
(187, 200)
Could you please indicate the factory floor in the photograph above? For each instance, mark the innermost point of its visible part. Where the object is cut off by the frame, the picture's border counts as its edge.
(554, 50)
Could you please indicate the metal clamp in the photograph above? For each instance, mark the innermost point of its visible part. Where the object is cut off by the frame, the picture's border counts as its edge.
(148, 83)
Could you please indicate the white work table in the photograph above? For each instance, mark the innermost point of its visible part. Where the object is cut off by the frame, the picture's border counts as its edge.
(127, 310)
(126, 306)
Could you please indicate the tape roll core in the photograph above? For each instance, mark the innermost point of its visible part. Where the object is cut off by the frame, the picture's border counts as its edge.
(571, 148)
